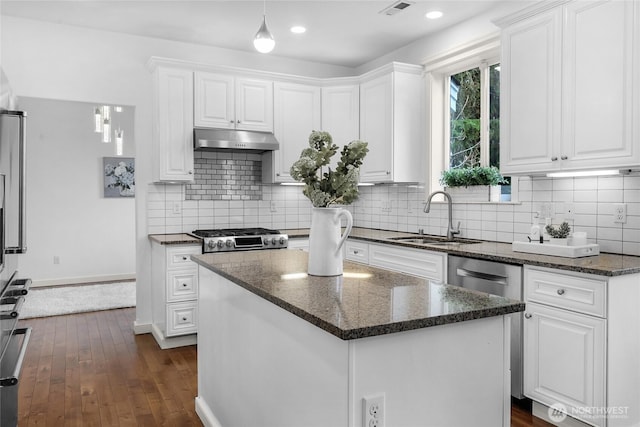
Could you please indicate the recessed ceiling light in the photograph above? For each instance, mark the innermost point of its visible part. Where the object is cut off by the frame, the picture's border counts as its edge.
(298, 29)
(434, 14)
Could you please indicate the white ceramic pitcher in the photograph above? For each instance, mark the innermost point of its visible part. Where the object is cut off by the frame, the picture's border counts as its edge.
(325, 241)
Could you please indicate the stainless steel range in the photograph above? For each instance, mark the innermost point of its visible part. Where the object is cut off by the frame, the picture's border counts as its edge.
(240, 239)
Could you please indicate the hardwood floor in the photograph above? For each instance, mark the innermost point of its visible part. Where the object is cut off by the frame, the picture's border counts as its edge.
(90, 369)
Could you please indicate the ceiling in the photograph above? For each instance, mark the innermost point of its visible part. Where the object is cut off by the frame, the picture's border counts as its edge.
(346, 33)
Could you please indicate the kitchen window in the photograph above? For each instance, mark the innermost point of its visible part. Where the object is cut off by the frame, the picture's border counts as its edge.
(464, 110)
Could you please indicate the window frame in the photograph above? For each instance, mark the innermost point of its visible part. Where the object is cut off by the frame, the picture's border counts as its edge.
(481, 53)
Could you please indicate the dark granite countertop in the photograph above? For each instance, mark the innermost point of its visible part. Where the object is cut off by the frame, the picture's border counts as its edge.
(365, 301)
(175, 239)
(605, 264)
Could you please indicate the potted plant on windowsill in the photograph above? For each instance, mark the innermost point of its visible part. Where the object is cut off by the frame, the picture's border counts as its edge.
(475, 184)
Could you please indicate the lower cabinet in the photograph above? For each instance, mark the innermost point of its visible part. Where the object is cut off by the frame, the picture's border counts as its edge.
(579, 330)
(418, 262)
(174, 294)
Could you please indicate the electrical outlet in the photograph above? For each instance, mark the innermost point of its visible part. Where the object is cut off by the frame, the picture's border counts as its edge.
(56, 259)
(176, 208)
(569, 211)
(272, 206)
(620, 213)
(373, 410)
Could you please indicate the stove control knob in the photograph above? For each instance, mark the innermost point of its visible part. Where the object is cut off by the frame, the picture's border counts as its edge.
(220, 243)
(211, 244)
(265, 240)
(282, 240)
(273, 240)
(229, 243)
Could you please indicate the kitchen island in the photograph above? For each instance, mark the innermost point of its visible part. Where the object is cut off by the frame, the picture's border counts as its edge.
(277, 347)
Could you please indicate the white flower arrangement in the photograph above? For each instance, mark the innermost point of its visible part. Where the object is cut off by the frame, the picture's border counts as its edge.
(123, 175)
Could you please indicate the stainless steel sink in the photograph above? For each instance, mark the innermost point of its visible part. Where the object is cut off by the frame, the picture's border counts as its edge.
(433, 240)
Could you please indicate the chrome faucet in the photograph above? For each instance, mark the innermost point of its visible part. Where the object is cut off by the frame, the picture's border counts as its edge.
(450, 230)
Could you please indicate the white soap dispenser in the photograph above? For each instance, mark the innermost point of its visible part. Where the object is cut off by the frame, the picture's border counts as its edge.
(534, 235)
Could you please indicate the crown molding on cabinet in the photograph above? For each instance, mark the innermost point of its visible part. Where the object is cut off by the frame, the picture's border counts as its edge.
(528, 12)
(156, 61)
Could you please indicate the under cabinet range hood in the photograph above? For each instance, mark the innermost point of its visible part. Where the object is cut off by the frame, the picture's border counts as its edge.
(233, 140)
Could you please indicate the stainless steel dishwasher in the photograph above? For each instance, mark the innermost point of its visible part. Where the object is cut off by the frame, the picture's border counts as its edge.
(500, 279)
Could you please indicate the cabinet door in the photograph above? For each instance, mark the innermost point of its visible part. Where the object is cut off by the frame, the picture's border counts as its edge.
(564, 358)
(598, 82)
(254, 105)
(341, 113)
(530, 100)
(296, 114)
(174, 124)
(214, 101)
(376, 116)
(418, 262)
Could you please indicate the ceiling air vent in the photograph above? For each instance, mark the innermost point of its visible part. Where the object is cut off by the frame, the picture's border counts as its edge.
(396, 7)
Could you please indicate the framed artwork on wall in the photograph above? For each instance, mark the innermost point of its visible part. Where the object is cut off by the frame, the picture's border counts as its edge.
(119, 176)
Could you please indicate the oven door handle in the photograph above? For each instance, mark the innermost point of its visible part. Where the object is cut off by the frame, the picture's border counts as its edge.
(13, 379)
(17, 305)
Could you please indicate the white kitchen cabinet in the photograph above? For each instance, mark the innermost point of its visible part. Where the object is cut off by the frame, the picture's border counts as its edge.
(357, 251)
(578, 332)
(228, 102)
(341, 113)
(564, 357)
(299, 243)
(173, 125)
(297, 112)
(418, 262)
(391, 122)
(174, 295)
(569, 79)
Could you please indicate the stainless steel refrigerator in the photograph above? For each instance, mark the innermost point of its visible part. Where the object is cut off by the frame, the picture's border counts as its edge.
(13, 288)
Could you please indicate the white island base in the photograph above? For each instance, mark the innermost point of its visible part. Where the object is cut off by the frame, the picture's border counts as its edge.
(260, 365)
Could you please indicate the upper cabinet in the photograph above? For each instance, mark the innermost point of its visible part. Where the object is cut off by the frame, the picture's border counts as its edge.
(297, 110)
(173, 125)
(228, 102)
(570, 97)
(341, 113)
(391, 120)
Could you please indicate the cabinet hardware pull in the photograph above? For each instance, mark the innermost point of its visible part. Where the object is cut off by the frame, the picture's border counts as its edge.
(560, 291)
(237, 121)
(190, 172)
(184, 258)
(184, 319)
(184, 285)
(527, 315)
(554, 158)
(355, 252)
(230, 121)
(388, 172)
(563, 158)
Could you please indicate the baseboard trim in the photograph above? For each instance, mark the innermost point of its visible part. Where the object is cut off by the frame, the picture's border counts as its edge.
(141, 328)
(84, 280)
(172, 342)
(542, 411)
(206, 414)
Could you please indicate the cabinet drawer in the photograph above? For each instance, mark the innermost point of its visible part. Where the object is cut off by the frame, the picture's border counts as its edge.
(571, 292)
(182, 318)
(180, 257)
(421, 263)
(182, 285)
(357, 251)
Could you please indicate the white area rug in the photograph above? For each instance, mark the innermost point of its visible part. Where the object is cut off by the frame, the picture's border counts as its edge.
(78, 299)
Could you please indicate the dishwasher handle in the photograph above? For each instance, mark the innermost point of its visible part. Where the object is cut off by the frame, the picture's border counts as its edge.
(501, 280)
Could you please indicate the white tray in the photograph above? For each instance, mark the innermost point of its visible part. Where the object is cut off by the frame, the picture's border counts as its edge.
(590, 249)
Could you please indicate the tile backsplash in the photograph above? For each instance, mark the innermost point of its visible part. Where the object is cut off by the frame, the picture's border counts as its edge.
(586, 203)
(226, 176)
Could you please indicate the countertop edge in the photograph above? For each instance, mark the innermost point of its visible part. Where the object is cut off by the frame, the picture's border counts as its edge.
(368, 331)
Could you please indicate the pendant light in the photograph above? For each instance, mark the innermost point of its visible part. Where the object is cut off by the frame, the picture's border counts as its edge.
(263, 41)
